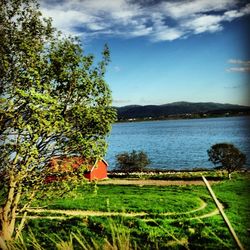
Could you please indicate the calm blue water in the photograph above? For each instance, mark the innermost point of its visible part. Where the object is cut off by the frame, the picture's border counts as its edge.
(178, 144)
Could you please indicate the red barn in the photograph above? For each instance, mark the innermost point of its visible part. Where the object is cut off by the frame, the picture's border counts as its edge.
(97, 171)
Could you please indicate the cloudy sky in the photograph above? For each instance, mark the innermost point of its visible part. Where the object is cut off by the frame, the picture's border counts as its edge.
(164, 51)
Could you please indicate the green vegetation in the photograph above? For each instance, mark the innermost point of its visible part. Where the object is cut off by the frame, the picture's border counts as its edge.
(132, 162)
(117, 198)
(179, 110)
(54, 102)
(186, 224)
(149, 174)
(228, 156)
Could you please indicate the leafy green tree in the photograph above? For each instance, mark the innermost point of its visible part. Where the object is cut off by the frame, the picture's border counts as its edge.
(54, 103)
(132, 162)
(226, 156)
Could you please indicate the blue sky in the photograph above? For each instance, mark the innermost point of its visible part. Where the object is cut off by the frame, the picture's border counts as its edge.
(164, 51)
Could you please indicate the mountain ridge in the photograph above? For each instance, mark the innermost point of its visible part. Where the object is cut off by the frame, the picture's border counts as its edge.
(177, 109)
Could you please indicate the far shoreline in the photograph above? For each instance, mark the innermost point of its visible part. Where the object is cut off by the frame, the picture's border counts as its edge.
(177, 175)
(180, 117)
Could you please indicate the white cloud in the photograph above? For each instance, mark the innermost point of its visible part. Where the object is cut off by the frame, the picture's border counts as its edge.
(181, 9)
(67, 20)
(203, 23)
(246, 9)
(162, 21)
(238, 69)
(243, 66)
(141, 31)
(167, 34)
(237, 61)
(232, 14)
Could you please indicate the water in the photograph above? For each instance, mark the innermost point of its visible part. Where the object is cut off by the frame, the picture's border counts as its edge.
(178, 144)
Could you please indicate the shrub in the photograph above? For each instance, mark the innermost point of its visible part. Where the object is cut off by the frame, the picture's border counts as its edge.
(132, 162)
(226, 156)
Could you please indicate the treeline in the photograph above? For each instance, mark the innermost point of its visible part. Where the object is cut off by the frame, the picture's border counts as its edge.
(179, 110)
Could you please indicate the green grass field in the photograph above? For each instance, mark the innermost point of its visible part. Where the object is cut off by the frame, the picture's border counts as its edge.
(174, 217)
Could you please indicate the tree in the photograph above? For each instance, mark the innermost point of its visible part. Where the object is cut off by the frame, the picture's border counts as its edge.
(227, 156)
(54, 103)
(131, 162)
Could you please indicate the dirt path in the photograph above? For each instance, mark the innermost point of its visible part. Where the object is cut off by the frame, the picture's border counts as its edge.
(84, 213)
(213, 213)
(61, 214)
(151, 182)
(203, 205)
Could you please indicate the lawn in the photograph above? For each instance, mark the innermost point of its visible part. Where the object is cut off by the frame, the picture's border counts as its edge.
(174, 217)
(131, 199)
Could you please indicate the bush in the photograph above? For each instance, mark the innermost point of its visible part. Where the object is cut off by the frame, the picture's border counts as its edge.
(226, 156)
(132, 162)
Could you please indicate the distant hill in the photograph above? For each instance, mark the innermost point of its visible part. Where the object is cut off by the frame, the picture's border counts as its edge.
(178, 109)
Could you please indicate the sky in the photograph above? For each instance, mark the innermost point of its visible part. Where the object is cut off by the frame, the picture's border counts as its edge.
(164, 51)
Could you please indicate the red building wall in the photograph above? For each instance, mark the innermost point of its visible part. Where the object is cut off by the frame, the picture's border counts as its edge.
(97, 173)
(68, 164)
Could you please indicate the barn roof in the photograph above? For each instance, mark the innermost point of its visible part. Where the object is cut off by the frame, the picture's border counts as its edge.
(69, 163)
(91, 168)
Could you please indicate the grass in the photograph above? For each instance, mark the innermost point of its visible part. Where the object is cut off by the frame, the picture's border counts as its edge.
(182, 230)
(130, 199)
(234, 195)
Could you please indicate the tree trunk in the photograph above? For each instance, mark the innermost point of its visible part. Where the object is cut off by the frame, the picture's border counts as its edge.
(8, 212)
(7, 231)
(21, 225)
(3, 245)
(5, 216)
